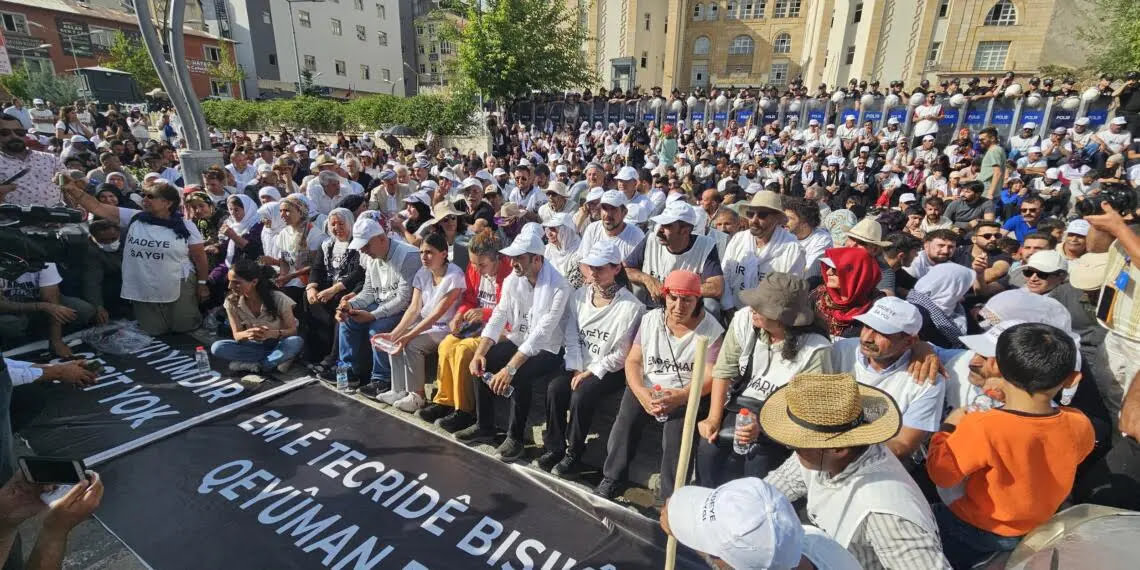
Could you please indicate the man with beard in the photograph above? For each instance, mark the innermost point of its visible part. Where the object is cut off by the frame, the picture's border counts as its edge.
(34, 187)
(675, 247)
(612, 226)
(879, 357)
(764, 248)
(1026, 222)
(985, 257)
(939, 246)
(473, 203)
(970, 208)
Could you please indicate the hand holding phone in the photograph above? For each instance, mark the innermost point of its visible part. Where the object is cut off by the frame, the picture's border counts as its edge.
(52, 470)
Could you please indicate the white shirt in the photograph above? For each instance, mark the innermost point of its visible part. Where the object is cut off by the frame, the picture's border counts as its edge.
(668, 361)
(322, 202)
(514, 308)
(243, 178)
(531, 202)
(745, 265)
(431, 294)
(919, 404)
(814, 246)
(22, 114)
(927, 119)
(26, 288)
(599, 338)
(155, 260)
(625, 241)
(43, 120)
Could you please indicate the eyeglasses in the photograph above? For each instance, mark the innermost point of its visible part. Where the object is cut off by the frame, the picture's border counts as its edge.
(994, 235)
(9, 132)
(1038, 273)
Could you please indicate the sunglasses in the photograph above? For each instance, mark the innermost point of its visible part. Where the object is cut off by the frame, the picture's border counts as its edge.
(9, 132)
(447, 219)
(1030, 210)
(1038, 273)
(994, 235)
(758, 213)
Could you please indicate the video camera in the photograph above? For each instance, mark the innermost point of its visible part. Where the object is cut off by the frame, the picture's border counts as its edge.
(32, 236)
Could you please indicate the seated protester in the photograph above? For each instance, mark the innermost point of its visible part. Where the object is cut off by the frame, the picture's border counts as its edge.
(880, 358)
(240, 238)
(102, 278)
(390, 267)
(1005, 471)
(661, 361)
(710, 520)
(612, 225)
(1075, 242)
(868, 235)
(933, 218)
(939, 246)
(557, 201)
(900, 251)
(474, 206)
(336, 272)
(970, 208)
(533, 303)
(436, 289)
(417, 209)
(675, 247)
(455, 393)
(602, 319)
(267, 194)
(1033, 243)
(261, 319)
(271, 226)
(205, 214)
(448, 222)
(163, 259)
(389, 196)
(591, 209)
(1023, 224)
(938, 295)
(297, 245)
(32, 307)
(803, 222)
(766, 344)
(1009, 202)
(985, 256)
(1054, 227)
(837, 427)
(848, 289)
(562, 247)
(764, 248)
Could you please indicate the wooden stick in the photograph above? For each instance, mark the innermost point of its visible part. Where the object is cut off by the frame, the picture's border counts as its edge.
(695, 387)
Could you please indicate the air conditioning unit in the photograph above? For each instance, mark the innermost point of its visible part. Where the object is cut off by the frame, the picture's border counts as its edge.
(931, 64)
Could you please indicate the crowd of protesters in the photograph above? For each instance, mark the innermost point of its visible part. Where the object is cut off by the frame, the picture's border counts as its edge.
(949, 328)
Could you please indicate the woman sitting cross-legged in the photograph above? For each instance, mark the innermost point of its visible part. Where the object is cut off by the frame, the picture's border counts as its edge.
(262, 321)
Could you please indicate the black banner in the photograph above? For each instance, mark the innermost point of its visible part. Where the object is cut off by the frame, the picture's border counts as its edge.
(136, 395)
(314, 479)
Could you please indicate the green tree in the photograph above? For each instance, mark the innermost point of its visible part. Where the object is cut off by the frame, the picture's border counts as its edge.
(58, 89)
(16, 83)
(510, 47)
(131, 56)
(226, 69)
(1115, 38)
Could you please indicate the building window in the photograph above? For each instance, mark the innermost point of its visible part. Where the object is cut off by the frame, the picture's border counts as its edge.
(382, 37)
(991, 56)
(1002, 14)
(310, 63)
(358, 4)
(858, 13)
(741, 45)
(15, 23)
(421, 49)
(698, 11)
(102, 38)
(304, 19)
(786, 9)
(850, 56)
(701, 46)
(381, 12)
(779, 74)
(434, 69)
(419, 30)
(446, 47)
(365, 73)
(219, 89)
(212, 53)
(730, 10)
(335, 26)
(712, 11)
(648, 19)
(34, 64)
(266, 17)
(341, 68)
(272, 59)
(935, 53)
(361, 33)
(385, 74)
(423, 69)
(431, 29)
(783, 44)
(943, 8)
(644, 59)
(434, 48)
(753, 10)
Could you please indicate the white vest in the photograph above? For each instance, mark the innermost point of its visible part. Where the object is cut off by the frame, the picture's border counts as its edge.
(766, 378)
(879, 486)
(668, 361)
(745, 265)
(153, 262)
(600, 329)
(659, 261)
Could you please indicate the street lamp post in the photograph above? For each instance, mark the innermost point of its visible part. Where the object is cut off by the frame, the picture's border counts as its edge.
(24, 58)
(293, 32)
(393, 84)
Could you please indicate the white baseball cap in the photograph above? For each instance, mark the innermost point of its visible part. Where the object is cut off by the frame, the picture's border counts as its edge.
(37, 101)
(1081, 121)
(890, 315)
(1030, 125)
(636, 213)
(928, 138)
(1049, 261)
(470, 182)
(813, 122)
(595, 193)
(676, 211)
(602, 253)
(525, 242)
(614, 198)
(1079, 227)
(499, 172)
(1034, 149)
(300, 148)
(893, 121)
(421, 197)
(1119, 121)
(561, 169)
(985, 344)
(907, 198)
(746, 522)
(1052, 173)
(429, 186)
(626, 174)
(558, 220)
(558, 188)
(754, 187)
(363, 230)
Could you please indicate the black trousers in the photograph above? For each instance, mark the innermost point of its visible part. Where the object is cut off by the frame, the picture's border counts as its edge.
(717, 464)
(1114, 480)
(319, 327)
(563, 436)
(529, 377)
(626, 434)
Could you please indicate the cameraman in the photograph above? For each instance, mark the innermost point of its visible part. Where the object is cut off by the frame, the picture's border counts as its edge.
(32, 302)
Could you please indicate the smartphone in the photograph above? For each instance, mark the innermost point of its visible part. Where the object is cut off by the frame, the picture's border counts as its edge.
(1104, 308)
(52, 470)
(15, 177)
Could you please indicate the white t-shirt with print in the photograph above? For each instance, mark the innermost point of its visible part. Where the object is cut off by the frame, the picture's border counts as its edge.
(431, 293)
(26, 288)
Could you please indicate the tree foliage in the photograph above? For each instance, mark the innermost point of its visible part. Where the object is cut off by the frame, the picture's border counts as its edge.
(131, 56)
(58, 89)
(441, 115)
(1115, 37)
(226, 69)
(510, 47)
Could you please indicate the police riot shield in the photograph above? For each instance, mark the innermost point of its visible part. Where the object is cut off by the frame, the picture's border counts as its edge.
(745, 111)
(697, 111)
(598, 111)
(873, 113)
(947, 126)
(1032, 114)
(1060, 113)
(557, 109)
(809, 109)
(769, 110)
(899, 112)
(614, 112)
(1002, 110)
(1097, 112)
(526, 112)
(541, 112)
(975, 113)
(630, 111)
(647, 111)
(848, 107)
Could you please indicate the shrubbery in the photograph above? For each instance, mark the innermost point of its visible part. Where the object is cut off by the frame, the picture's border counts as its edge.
(422, 113)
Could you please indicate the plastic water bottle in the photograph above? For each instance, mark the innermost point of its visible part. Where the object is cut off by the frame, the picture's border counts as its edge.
(659, 394)
(983, 402)
(342, 377)
(487, 376)
(743, 419)
(202, 359)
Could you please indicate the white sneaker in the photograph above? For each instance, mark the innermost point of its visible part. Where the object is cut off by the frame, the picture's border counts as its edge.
(410, 403)
(390, 397)
(244, 367)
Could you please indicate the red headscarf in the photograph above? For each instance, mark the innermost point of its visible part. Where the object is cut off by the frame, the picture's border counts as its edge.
(858, 273)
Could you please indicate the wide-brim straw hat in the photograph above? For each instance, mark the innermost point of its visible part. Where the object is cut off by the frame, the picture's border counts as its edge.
(823, 411)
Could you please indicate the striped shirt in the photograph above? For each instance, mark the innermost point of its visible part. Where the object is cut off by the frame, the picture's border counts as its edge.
(1124, 313)
(882, 540)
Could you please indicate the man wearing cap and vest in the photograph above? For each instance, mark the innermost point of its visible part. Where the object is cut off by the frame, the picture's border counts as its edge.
(611, 226)
(766, 247)
(533, 303)
(557, 201)
(474, 206)
(628, 181)
(856, 490)
(389, 196)
(675, 246)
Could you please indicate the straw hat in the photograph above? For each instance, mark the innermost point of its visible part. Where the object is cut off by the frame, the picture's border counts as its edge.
(442, 210)
(868, 231)
(821, 411)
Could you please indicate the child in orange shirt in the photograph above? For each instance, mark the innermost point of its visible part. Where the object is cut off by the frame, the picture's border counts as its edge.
(1017, 462)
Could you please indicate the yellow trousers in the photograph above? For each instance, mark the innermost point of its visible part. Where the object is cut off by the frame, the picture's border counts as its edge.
(454, 376)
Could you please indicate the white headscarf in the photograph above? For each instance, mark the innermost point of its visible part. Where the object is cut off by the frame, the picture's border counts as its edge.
(249, 219)
(270, 191)
(947, 284)
(271, 214)
(565, 255)
(346, 216)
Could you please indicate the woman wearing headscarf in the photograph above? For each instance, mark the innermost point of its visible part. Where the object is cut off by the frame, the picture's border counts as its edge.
(938, 296)
(562, 241)
(335, 273)
(164, 262)
(850, 276)
(205, 215)
(271, 225)
(240, 237)
(767, 343)
(297, 247)
(267, 194)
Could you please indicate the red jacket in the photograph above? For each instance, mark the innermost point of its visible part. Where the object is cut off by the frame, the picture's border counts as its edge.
(470, 299)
